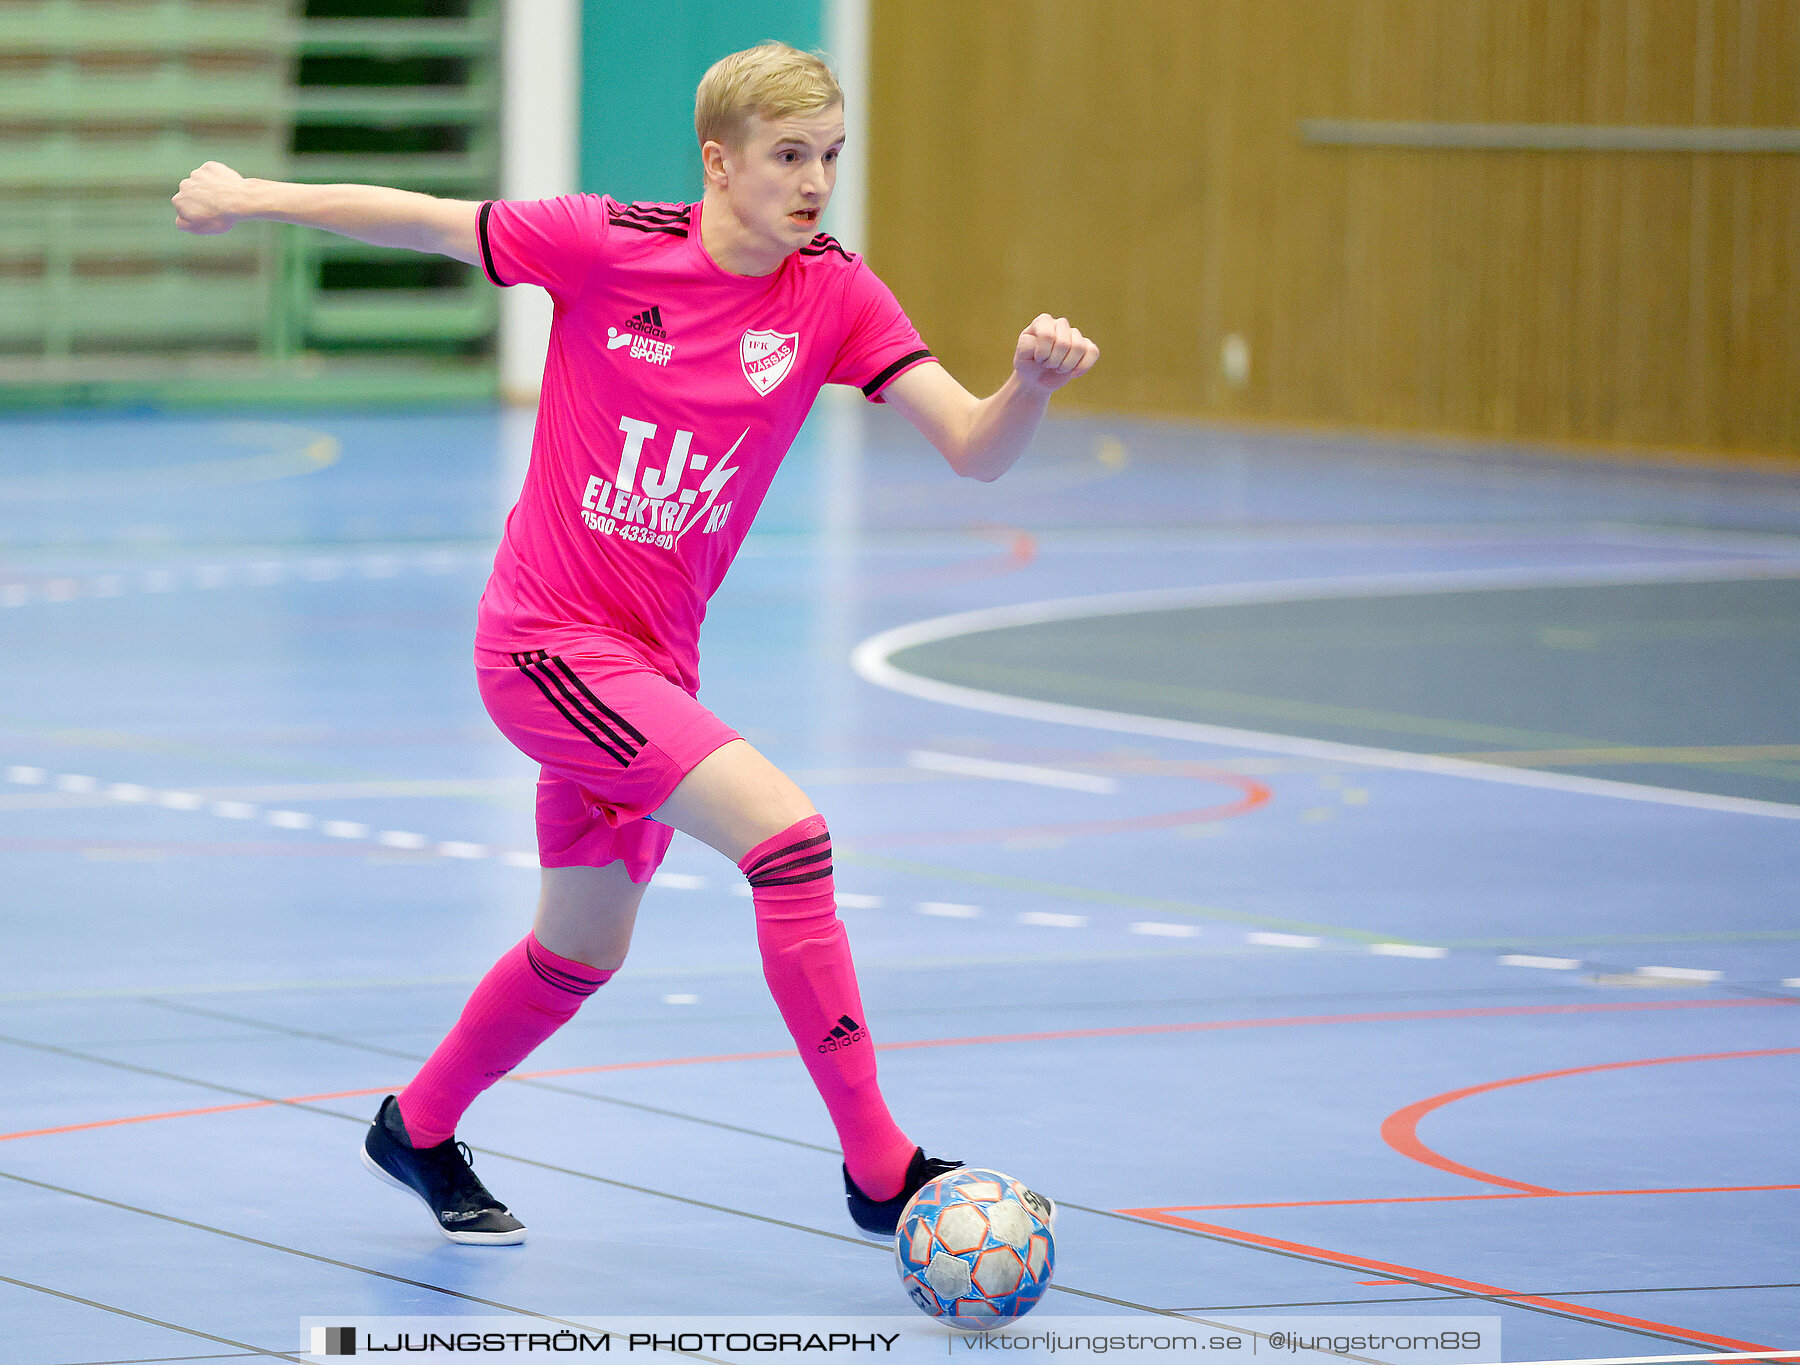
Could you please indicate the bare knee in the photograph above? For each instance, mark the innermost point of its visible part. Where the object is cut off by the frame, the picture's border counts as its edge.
(587, 914)
(734, 799)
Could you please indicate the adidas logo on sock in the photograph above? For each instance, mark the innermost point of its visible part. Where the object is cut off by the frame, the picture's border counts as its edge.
(648, 323)
(845, 1033)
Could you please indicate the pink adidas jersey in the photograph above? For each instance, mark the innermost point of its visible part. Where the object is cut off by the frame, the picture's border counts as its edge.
(671, 393)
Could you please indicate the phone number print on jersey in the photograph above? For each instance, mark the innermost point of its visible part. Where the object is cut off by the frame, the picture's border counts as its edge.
(644, 505)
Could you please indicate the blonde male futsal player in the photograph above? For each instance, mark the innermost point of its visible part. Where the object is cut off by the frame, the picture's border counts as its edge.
(689, 343)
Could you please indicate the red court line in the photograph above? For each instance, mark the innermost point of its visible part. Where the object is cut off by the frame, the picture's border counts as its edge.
(1020, 549)
(1400, 1129)
(1448, 1199)
(1123, 1031)
(1435, 1280)
(188, 1113)
(1255, 794)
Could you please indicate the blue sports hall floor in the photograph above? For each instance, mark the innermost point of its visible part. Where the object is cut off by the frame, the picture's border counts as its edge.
(1354, 877)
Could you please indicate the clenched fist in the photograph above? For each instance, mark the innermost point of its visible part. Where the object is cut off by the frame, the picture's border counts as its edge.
(1050, 353)
(210, 200)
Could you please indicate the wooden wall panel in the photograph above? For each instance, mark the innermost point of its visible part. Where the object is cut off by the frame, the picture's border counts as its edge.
(1140, 169)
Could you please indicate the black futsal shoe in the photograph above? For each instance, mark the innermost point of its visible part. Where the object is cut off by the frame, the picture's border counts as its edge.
(879, 1218)
(441, 1179)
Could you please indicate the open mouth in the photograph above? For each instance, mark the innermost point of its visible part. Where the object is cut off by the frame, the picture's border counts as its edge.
(805, 217)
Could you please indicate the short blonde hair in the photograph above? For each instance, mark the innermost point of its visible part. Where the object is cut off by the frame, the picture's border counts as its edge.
(771, 79)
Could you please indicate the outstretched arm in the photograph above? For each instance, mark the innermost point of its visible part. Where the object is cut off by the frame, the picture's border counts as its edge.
(982, 437)
(215, 197)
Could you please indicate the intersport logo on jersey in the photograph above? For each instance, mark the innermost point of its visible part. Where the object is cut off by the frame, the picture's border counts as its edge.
(767, 357)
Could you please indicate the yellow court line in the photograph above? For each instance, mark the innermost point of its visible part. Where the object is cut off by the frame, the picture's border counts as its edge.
(299, 451)
(288, 451)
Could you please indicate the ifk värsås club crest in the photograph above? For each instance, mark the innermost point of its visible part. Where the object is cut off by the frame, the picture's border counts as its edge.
(767, 357)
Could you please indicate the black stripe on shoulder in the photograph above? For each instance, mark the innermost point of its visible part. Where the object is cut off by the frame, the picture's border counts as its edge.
(673, 219)
(636, 226)
(487, 252)
(874, 385)
(823, 244)
(665, 212)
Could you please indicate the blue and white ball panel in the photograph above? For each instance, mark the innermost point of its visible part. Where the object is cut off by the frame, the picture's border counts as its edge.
(973, 1249)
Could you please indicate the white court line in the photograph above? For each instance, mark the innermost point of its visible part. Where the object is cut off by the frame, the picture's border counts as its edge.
(948, 910)
(134, 793)
(255, 573)
(1408, 950)
(1269, 940)
(1656, 1360)
(26, 775)
(1550, 964)
(871, 658)
(1679, 973)
(1010, 772)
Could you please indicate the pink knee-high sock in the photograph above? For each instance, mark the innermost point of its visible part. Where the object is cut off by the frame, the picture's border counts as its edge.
(525, 997)
(806, 960)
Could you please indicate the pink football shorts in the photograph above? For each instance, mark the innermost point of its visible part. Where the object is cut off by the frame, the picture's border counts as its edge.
(614, 736)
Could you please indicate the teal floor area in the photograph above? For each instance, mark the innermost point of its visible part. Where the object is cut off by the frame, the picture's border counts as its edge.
(1676, 684)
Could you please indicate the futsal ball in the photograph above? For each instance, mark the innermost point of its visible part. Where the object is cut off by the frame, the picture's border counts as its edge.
(975, 1249)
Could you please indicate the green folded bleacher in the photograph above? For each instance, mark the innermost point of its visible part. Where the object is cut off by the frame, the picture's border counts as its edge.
(106, 104)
